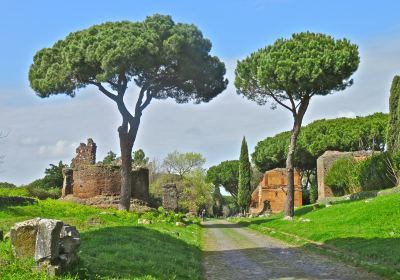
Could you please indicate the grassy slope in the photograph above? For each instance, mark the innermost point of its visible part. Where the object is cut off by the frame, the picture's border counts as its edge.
(113, 244)
(367, 230)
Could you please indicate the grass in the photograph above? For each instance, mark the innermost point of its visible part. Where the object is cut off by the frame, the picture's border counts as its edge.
(113, 245)
(365, 231)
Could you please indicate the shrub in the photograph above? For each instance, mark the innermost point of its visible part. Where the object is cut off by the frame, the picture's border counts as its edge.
(7, 185)
(348, 176)
(375, 173)
(342, 178)
(42, 193)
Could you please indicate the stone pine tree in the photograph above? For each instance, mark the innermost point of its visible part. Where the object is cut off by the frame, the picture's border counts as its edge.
(244, 186)
(162, 58)
(290, 72)
(393, 134)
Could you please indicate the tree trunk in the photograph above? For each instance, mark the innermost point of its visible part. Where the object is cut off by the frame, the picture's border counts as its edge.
(126, 145)
(298, 119)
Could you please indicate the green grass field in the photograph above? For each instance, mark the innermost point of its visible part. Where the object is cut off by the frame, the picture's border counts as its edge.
(113, 245)
(366, 232)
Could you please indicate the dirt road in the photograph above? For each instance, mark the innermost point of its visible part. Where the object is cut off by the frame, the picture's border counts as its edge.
(233, 252)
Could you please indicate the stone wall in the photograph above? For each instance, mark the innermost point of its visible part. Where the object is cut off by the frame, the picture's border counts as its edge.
(325, 162)
(170, 197)
(85, 179)
(270, 195)
(85, 154)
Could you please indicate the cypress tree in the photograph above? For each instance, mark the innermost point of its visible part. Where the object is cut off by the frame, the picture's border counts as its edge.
(244, 187)
(393, 136)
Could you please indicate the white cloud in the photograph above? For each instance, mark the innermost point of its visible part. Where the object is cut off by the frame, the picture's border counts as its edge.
(346, 114)
(60, 149)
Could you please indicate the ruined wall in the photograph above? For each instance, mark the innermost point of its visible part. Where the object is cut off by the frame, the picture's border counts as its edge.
(272, 191)
(140, 183)
(170, 197)
(85, 179)
(85, 154)
(92, 180)
(325, 162)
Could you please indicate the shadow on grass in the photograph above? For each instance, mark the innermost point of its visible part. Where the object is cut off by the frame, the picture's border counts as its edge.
(134, 252)
(377, 250)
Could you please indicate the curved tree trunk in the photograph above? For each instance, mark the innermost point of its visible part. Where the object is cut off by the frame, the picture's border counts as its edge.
(298, 119)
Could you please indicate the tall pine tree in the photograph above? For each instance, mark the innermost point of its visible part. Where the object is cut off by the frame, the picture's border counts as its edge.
(244, 187)
(393, 137)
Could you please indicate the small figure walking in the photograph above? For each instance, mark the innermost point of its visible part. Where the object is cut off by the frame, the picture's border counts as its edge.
(203, 214)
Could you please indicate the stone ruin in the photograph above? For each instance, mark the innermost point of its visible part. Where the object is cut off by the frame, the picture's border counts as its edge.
(170, 197)
(100, 184)
(325, 162)
(53, 244)
(270, 195)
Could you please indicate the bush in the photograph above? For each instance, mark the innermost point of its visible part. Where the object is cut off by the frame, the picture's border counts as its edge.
(42, 193)
(342, 178)
(375, 173)
(348, 176)
(7, 185)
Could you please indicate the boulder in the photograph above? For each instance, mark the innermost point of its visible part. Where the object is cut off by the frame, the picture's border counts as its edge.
(53, 244)
(23, 238)
(48, 240)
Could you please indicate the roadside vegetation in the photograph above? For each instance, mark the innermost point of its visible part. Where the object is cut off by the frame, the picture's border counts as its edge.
(364, 232)
(113, 243)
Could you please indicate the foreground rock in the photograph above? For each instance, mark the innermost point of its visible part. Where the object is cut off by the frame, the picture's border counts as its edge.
(53, 244)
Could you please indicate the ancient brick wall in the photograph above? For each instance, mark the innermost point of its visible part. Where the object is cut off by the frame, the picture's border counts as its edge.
(85, 179)
(272, 192)
(92, 180)
(85, 154)
(325, 162)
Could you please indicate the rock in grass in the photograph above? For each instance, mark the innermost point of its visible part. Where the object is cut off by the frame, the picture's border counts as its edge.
(144, 222)
(48, 240)
(23, 238)
(179, 224)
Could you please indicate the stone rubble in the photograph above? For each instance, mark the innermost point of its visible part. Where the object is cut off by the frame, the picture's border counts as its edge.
(53, 244)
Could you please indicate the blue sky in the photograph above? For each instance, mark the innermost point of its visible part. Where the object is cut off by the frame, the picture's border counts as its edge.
(44, 131)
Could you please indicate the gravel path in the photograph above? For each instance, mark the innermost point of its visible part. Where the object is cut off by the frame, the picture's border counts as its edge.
(233, 252)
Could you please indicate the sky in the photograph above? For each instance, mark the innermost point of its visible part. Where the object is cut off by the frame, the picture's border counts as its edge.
(43, 131)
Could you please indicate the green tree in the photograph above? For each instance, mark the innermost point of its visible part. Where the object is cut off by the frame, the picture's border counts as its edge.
(225, 174)
(290, 72)
(110, 157)
(341, 134)
(139, 158)
(183, 163)
(162, 58)
(244, 186)
(53, 176)
(393, 137)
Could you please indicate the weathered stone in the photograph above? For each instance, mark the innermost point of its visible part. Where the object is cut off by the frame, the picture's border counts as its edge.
(48, 240)
(85, 154)
(144, 222)
(53, 245)
(23, 238)
(170, 197)
(270, 195)
(69, 239)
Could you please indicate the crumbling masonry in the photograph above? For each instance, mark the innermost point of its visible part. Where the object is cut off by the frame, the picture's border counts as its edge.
(85, 179)
(270, 195)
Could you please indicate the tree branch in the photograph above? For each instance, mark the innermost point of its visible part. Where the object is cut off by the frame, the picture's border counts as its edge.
(103, 90)
(149, 97)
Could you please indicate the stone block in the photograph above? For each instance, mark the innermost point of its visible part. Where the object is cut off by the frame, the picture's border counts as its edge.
(48, 240)
(23, 238)
(170, 197)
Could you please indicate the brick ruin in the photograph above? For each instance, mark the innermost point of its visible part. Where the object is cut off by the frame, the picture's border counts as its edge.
(85, 179)
(325, 162)
(270, 195)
